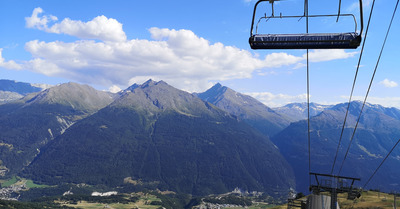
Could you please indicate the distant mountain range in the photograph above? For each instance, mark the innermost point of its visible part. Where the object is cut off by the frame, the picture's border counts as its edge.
(299, 111)
(154, 135)
(12, 90)
(377, 132)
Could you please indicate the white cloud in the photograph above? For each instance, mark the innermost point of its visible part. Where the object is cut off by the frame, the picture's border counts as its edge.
(179, 57)
(176, 56)
(38, 22)
(8, 64)
(299, 65)
(101, 27)
(277, 100)
(328, 55)
(388, 83)
(114, 89)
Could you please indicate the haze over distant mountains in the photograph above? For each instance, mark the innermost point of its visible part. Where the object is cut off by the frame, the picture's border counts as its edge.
(377, 132)
(12, 90)
(153, 134)
(299, 111)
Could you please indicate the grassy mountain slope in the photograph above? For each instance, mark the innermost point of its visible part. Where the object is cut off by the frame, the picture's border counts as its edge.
(375, 136)
(156, 134)
(28, 124)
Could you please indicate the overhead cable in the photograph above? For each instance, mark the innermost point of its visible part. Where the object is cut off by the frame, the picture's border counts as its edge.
(308, 99)
(366, 183)
(338, 14)
(352, 89)
(370, 84)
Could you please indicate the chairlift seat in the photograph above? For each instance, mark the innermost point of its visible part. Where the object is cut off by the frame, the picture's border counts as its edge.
(349, 40)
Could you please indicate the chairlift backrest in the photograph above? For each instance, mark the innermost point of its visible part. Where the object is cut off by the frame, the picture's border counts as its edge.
(347, 40)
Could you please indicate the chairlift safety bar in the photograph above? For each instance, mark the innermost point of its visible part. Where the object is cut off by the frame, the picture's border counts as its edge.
(301, 16)
(350, 40)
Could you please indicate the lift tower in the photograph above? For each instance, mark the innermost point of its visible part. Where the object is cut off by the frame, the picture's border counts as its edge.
(334, 185)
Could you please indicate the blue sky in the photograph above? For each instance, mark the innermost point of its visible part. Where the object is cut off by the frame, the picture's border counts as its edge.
(192, 45)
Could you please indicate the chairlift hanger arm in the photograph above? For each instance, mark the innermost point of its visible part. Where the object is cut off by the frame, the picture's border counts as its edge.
(301, 16)
(334, 176)
(305, 41)
(335, 185)
(254, 15)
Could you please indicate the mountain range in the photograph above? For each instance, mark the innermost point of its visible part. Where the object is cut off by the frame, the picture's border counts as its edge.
(12, 90)
(152, 133)
(246, 108)
(28, 124)
(299, 111)
(155, 135)
(377, 132)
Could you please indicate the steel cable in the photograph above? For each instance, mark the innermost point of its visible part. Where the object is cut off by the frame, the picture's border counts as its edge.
(380, 164)
(308, 99)
(352, 89)
(370, 84)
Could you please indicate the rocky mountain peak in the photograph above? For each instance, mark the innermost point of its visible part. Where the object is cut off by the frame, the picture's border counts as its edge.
(149, 83)
(155, 97)
(131, 88)
(157, 133)
(213, 94)
(246, 108)
(81, 97)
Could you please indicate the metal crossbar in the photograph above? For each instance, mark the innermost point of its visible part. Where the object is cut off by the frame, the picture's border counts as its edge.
(311, 41)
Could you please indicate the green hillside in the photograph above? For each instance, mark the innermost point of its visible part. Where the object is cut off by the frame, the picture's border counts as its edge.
(168, 139)
(368, 200)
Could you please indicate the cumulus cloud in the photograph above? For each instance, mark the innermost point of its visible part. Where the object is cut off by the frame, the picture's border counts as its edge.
(176, 56)
(277, 100)
(8, 64)
(179, 57)
(101, 27)
(34, 21)
(114, 89)
(388, 83)
(328, 55)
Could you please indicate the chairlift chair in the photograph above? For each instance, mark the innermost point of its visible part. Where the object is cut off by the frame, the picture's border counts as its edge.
(348, 40)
